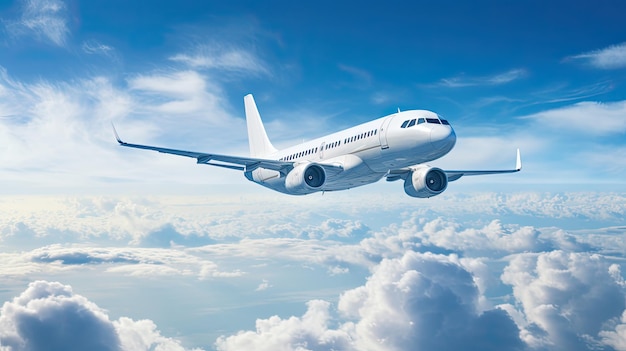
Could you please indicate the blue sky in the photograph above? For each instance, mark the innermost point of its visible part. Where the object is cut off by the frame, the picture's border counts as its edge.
(137, 251)
(548, 78)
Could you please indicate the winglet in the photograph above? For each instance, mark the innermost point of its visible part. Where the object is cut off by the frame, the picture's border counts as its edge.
(117, 137)
(518, 163)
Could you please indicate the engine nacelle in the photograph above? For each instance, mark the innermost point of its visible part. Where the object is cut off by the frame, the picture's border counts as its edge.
(305, 179)
(425, 182)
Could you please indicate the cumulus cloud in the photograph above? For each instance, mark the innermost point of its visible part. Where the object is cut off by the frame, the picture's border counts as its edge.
(50, 316)
(611, 57)
(431, 279)
(616, 338)
(567, 299)
(44, 19)
(418, 301)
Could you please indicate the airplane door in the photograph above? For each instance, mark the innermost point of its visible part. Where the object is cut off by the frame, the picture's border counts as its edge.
(321, 153)
(382, 133)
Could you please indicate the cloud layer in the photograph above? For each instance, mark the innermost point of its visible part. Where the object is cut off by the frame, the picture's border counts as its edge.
(424, 280)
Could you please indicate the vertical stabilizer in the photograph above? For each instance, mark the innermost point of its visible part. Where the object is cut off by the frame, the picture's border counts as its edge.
(260, 145)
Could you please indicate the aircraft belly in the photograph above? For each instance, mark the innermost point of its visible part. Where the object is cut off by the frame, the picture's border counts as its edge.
(352, 177)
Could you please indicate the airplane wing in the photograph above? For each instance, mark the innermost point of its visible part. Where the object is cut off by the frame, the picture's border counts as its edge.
(454, 175)
(396, 174)
(225, 161)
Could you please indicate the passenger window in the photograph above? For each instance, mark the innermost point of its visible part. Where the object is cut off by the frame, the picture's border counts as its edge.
(404, 124)
(411, 124)
(421, 120)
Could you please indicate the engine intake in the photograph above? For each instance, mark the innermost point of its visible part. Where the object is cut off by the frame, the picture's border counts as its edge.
(425, 182)
(305, 179)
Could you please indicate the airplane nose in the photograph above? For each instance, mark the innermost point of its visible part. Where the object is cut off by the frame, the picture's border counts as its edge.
(442, 138)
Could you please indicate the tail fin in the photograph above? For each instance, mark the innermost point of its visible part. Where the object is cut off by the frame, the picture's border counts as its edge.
(260, 145)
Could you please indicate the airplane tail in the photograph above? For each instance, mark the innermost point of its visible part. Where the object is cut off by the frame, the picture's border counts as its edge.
(260, 145)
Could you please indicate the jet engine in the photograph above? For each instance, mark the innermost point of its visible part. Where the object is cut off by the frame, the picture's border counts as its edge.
(425, 182)
(305, 179)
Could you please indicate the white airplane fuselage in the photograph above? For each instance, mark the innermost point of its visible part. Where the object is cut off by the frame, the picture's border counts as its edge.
(365, 153)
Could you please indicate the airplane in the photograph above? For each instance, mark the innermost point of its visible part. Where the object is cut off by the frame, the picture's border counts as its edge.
(394, 147)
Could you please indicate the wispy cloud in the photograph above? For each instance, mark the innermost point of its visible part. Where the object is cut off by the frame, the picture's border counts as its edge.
(219, 57)
(94, 47)
(462, 81)
(586, 117)
(45, 19)
(611, 57)
(359, 74)
(63, 127)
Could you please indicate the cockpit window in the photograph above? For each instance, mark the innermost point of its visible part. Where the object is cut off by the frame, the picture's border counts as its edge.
(412, 122)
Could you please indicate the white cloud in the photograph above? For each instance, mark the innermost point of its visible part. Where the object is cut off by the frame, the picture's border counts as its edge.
(44, 19)
(569, 296)
(136, 262)
(50, 316)
(418, 301)
(94, 47)
(182, 92)
(218, 57)
(616, 338)
(611, 57)
(462, 81)
(60, 134)
(585, 117)
(310, 332)
(265, 284)
(409, 291)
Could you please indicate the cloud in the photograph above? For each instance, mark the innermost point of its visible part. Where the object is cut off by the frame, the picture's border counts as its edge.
(566, 298)
(585, 117)
(611, 57)
(94, 47)
(219, 57)
(50, 316)
(136, 262)
(616, 338)
(361, 75)
(418, 301)
(55, 134)
(462, 81)
(265, 284)
(45, 19)
(436, 265)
